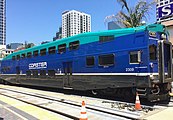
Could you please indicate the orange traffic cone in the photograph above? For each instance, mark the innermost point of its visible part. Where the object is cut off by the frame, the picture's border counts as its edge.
(83, 113)
(137, 103)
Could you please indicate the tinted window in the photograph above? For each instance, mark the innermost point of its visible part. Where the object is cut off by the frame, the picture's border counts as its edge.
(42, 72)
(153, 52)
(61, 48)
(18, 57)
(29, 55)
(135, 57)
(106, 38)
(28, 73)
(13, 57)
(23, 56)
(106, 60)
(35, 73)
(90, 60)
(43, 52)
(52, 50)
(35, 53)
(5, 69)
(51, 72)
(74, 45)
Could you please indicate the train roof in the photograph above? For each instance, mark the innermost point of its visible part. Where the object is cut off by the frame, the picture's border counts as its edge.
(95, 37)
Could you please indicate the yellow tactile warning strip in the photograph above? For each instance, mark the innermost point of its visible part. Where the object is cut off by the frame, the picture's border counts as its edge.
(39, 113)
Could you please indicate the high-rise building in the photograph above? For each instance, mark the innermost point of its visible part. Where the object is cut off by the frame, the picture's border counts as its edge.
(75, 22)
(2, 23)
(58, 34)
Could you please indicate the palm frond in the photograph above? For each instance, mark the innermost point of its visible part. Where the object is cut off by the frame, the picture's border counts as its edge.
(134, 15)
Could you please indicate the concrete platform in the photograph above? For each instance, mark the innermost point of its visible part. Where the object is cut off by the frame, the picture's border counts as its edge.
(26, 111)
(166, 114)
(9, 112)
(11, 109)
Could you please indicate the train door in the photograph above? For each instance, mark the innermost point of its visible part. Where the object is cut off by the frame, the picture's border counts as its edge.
(67, 66)
(165, 61)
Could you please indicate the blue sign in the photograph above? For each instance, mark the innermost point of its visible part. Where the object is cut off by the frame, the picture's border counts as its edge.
(165, 11)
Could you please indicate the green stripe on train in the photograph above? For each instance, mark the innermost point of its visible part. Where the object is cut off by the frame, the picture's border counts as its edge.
(89, 37)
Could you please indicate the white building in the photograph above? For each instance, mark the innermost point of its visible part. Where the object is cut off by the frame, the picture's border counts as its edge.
(2, 24)
(75, 22)
(5, 52)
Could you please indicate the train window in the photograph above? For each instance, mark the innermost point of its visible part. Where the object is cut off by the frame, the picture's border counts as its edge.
(43, 52)
(106, 60)
(74, 45)
(61, 48)
(28, 73)
(135, 57)
(90, 61)
(35, 53)
(52, 50)
(51, 72)
(153, 52)
(23, 56)
(8, 68)
(18, 57)
(42, 72)
(106, 38)
(35, 73)
(29, 55)
(13, 58)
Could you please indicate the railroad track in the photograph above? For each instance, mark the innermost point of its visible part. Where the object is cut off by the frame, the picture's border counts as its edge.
(71, 109)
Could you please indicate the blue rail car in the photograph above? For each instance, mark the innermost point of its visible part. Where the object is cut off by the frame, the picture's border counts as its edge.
(135, 59)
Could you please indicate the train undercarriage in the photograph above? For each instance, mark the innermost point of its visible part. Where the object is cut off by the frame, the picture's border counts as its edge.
(159, 92)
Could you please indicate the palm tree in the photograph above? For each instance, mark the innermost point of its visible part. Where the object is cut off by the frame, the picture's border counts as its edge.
(133, 16)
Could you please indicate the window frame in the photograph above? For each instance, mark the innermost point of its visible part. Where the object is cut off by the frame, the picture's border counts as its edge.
(101, 57)
(50, 74)
(89, 65)
(30, 73)
(35, 73)
(139, 57)
(73, 45)
(34, 53)
(64, 46)
(29, 55)
(13, 57)
(23, 56)
(107, 38)
(155, 52)
(42, 74)
(52, 50)
(18, 57)
(43, 52)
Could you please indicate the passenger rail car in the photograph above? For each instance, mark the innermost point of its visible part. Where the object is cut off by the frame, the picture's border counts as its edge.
(136, 59)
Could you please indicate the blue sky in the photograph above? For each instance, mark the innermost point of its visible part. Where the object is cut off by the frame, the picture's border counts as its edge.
(38, 20)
